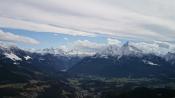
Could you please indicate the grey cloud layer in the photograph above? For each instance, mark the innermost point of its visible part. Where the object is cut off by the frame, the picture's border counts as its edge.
(129, 19)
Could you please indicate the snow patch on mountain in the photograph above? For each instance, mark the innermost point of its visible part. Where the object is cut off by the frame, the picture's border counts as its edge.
(150, 63)
(12, 56)
(16, 63)
(27, 57)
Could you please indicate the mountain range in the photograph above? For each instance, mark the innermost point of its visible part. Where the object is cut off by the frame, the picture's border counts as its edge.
(126, 61)
(20, 65)
(114, 61)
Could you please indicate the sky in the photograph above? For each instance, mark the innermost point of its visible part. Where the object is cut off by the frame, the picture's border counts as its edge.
(86, 23)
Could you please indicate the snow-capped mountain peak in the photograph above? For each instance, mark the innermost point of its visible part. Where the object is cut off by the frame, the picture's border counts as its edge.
(128, 49)
(60, 52)
(124, 50)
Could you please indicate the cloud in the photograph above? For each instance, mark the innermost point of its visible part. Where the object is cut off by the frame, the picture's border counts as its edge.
(83, 46)
(145, 20)
(86, 44)
(90, 47)
(157, 47)
(10, 37)
(114, 42)
(147, 47)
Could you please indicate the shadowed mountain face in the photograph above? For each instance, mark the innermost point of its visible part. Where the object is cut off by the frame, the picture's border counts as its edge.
(146, 66)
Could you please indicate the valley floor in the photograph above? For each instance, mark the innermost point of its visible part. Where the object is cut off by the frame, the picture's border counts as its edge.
(90, 87)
